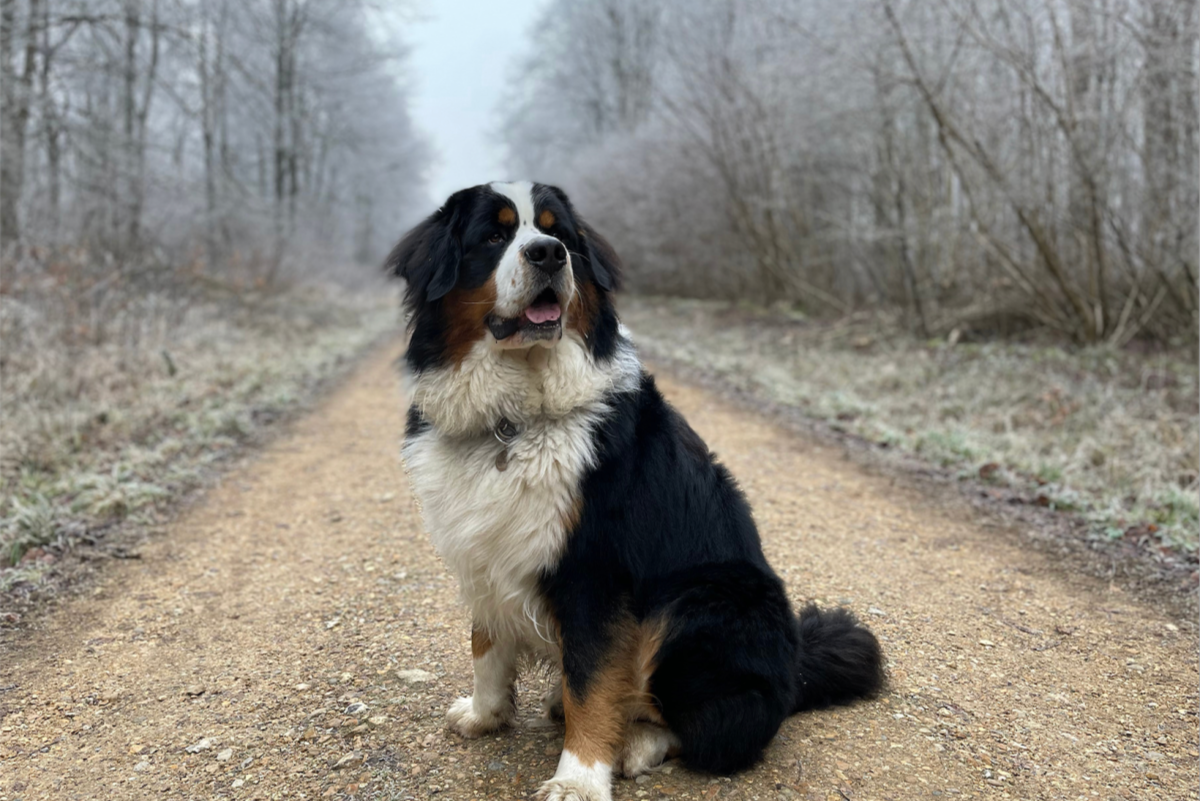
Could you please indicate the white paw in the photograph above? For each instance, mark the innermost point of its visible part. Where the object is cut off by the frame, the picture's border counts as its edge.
(574, 781)
(464, 719)
(646, 746)
(571, 790)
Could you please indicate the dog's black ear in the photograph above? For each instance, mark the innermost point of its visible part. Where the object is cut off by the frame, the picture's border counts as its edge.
(428, 256)
(606, 265)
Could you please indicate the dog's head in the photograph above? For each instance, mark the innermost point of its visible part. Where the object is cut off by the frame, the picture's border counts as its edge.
(508, 265)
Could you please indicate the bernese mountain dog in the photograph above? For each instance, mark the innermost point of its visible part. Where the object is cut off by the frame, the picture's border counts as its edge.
(588, 525)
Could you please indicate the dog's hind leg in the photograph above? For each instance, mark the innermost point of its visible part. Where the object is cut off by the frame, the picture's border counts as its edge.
(725, 676)
(492, 705)
(646, 746)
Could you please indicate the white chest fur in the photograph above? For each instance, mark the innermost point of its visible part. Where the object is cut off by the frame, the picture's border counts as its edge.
(498, 530)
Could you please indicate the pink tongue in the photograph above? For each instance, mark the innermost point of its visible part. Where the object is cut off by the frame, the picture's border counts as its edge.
(543, 314)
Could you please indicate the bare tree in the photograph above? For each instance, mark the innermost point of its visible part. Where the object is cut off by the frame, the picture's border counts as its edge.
(1026, 161)
(14, 121)
(242, 131)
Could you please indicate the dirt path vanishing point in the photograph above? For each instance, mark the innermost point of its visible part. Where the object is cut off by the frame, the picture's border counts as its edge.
(296, 637)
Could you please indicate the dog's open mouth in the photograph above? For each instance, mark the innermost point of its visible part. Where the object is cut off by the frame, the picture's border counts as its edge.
(544, 309)
(542, 319)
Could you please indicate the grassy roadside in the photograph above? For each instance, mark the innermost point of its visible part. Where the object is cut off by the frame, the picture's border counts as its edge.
(1108, 435)
(102, 433)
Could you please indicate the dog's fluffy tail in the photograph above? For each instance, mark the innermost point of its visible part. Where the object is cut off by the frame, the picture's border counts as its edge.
(838, 660)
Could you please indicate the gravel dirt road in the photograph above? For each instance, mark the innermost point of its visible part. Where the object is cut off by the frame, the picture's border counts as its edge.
(295, 636)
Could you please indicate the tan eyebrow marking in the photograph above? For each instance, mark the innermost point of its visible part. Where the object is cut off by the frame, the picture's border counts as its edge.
(507, 216)
(546, 218)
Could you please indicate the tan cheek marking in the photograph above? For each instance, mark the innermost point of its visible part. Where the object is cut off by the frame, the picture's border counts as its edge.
(481, 643)
(582, 311)
(466, 310)
(617, 693)
(546, 218)
(507, 216)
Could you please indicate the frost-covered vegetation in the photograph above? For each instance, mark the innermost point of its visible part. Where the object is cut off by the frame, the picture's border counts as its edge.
(1108, 434)
(194, 200)
(100, 433)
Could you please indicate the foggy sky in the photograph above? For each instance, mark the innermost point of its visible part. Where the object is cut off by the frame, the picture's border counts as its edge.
(464, 51)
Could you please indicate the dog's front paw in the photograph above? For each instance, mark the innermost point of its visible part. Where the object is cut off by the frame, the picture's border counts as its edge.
(466, 720)
(574, 781)
(572, 790)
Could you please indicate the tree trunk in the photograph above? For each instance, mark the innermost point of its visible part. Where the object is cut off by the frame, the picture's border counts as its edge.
(281, 92)
(221, 78)
(14, 121)
(138, 196)
(133, 25)
(10, 138)
(295, 114)
(52, 131)
(207, 136)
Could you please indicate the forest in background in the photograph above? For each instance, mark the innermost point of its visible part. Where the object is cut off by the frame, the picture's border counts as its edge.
(215, 131)
(982, 165)
(194, 195)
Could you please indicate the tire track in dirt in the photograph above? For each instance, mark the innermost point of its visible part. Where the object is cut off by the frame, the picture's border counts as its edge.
(296, 637)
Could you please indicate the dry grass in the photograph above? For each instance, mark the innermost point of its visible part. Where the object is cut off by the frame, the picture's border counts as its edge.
(106, 428)
(1111, 435)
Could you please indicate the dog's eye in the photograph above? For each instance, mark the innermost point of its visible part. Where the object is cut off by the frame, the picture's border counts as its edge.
(495, 239)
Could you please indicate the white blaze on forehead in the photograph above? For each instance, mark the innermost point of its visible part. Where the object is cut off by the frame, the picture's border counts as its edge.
(513, 287)
(521, 194)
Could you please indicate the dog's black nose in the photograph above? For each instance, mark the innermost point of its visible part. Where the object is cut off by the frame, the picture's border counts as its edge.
(547, 254)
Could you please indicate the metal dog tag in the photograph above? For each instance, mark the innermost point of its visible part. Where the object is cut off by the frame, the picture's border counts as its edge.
(504, 432)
